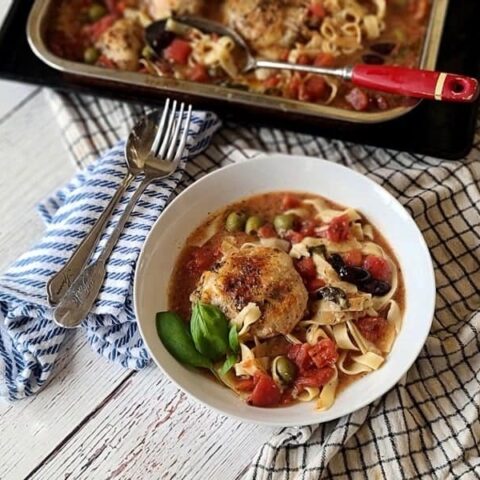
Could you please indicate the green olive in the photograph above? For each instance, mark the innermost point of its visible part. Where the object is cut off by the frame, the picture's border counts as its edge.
(90, 55)
(283, 222)
(96, 12)
(286, 369)
(147, 52)
(253, 224)
(235, 222)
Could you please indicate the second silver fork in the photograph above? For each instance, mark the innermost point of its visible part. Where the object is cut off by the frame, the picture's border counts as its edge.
(165, 154)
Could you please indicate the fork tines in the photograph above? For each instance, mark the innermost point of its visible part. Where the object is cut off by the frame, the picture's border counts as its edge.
(170, 138)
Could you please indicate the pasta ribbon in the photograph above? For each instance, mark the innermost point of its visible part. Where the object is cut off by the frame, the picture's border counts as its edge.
(247, 316)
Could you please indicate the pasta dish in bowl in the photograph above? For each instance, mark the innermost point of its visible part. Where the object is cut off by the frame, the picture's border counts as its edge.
(337, 33)
(281, 298)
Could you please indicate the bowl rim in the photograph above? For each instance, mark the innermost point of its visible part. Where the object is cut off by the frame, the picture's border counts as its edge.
(325, 415)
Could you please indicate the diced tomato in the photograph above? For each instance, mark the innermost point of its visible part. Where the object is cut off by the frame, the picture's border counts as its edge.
(121, 7)
(298, 353)
(353, 258)
(306, 268)
(307, 227)
(202, 258)
(111, 5)
(314, 284)
(303, 59)
(293, 87)
(105, 62)
(271, 81)
(358, 99)
(315, 378)
(338, 229)
(324, 60)
(372, 328)
(245, 384)
(267, 231)
(324, 353)
(293, 237)
(198, 73)
(381, 102)
(317, 9)
(265, 393)
(314, 88)
(378, 267)
(287, 397)
(178, 51)
(95, 30)
(290, 201)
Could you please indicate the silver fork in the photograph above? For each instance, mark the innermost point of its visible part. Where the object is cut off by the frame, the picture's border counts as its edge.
(165, 154)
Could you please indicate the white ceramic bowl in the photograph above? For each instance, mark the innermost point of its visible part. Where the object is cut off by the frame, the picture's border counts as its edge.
(276, 173)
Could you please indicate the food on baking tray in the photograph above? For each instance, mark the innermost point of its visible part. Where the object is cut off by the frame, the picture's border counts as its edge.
(110, 33)
(284, 297)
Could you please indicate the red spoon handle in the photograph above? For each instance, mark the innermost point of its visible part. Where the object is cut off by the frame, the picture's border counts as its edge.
(412, 82)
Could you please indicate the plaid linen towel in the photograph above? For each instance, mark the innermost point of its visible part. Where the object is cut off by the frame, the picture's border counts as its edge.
(427, 426)
(29, 340)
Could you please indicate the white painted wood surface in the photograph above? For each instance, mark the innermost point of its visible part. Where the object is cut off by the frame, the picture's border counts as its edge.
(94, 420)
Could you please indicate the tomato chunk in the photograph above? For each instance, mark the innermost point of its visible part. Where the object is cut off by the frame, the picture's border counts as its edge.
(372, 328)
(306, 268)
(317, 9)
(378, 267)
(358, 99)
(290, 201)
(265, 393)
(245, 384)
(267, 231)
(315, 378)
(95, 30)
(307, 227)
(178, 51)
(293, 237)
(353, 258)
(324, 353)
(314, 88)
(314, 284)
(298, 353)
(338, 229)
(324, 60)
(198, 73)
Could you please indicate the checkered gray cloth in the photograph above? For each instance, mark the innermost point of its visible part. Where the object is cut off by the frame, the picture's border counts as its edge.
(428, 425)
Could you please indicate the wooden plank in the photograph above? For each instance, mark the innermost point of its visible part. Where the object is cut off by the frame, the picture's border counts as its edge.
(149, 429)
(34, 163)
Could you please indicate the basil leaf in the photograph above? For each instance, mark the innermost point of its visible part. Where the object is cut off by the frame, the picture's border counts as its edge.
(209, 328)
(229, 363)
(233, 339)
(175, 336)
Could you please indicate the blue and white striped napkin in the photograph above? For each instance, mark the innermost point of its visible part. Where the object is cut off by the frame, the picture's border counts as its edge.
(29, 340)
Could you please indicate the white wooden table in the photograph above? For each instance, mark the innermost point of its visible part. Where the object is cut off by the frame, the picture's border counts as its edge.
(94, 420)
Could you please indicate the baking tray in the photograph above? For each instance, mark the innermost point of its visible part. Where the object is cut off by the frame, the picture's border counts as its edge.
(441, 130)
(40, 17)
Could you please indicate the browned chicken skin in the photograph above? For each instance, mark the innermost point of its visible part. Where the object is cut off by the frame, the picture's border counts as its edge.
(266, 24)
(260, 275)
(163, 8)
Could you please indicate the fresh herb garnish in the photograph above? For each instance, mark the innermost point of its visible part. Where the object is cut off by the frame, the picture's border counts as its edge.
(209, 328)
(177, 340)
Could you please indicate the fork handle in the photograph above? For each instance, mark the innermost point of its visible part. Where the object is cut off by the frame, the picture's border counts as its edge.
(80, 297)
(61, 281)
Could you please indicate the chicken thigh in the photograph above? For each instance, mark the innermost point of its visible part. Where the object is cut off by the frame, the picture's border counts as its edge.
(164, 8)
(267, 25)
(260, 275)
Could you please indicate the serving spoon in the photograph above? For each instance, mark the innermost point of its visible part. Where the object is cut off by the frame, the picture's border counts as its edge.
(409, 82)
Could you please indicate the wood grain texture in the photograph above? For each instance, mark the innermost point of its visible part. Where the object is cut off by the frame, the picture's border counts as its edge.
(149, 429)
(95, 420)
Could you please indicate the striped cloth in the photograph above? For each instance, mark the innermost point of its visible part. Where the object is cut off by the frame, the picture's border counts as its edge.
(29, 340)
(428, 426)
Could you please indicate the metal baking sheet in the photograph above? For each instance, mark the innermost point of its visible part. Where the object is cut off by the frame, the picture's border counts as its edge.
(39, 20)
